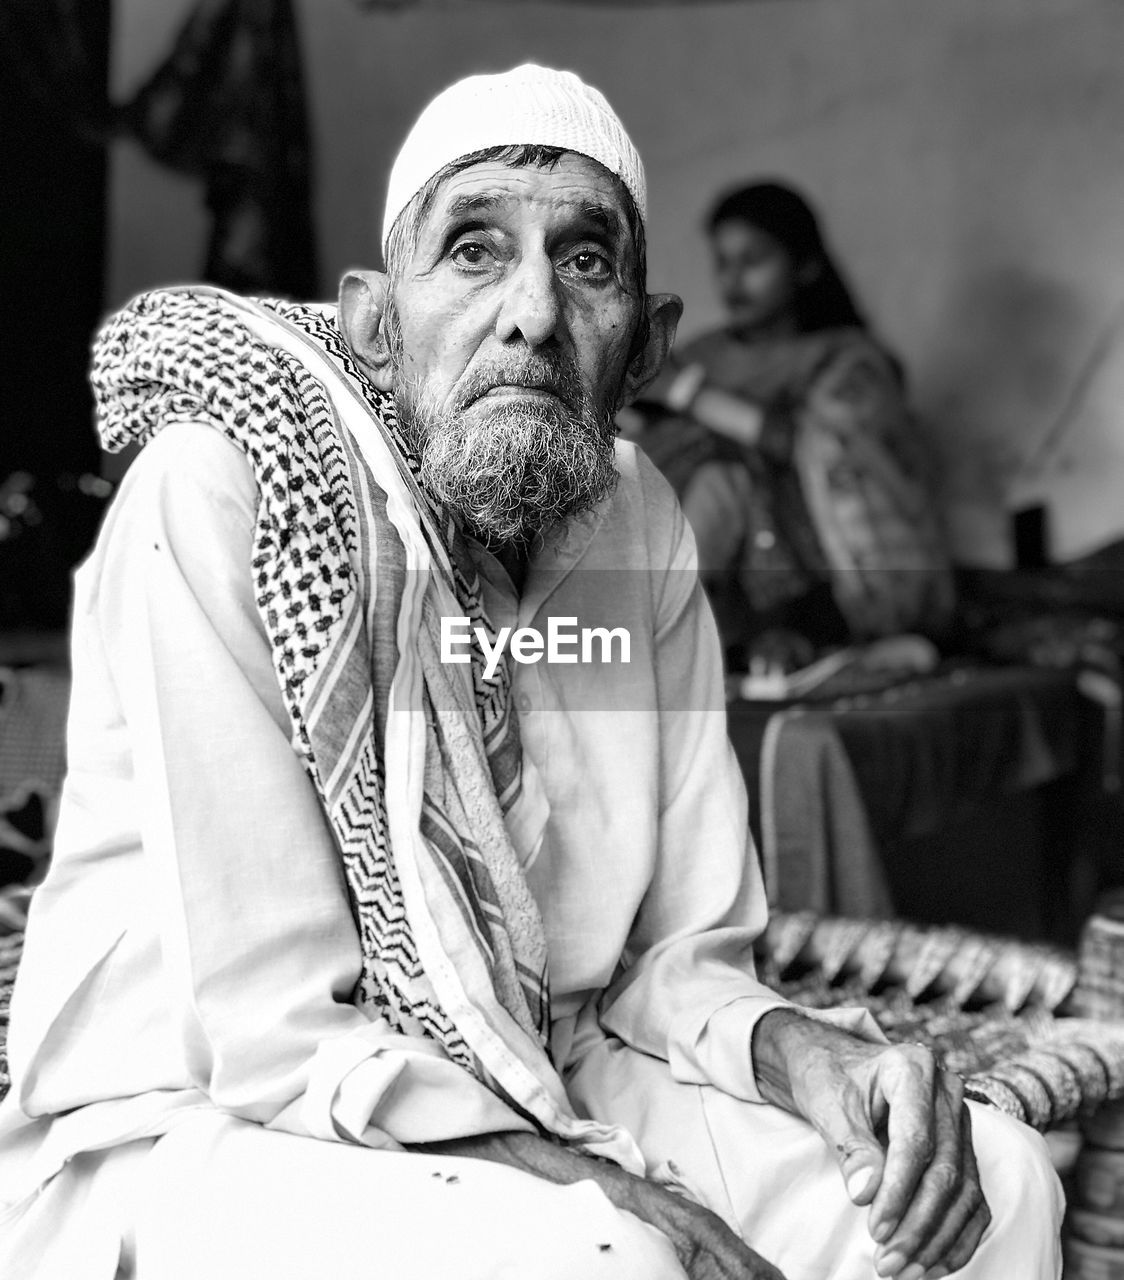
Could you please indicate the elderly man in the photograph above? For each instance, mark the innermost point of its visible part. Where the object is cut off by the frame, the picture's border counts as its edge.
(284, 1009)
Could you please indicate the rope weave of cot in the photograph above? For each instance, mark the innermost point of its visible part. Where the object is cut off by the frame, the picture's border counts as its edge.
(1014, 1019)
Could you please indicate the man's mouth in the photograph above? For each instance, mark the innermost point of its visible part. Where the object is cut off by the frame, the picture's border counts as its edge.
(521, 391)
(503, 390)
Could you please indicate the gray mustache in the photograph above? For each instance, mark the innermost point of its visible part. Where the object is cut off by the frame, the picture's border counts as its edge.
(558, 377)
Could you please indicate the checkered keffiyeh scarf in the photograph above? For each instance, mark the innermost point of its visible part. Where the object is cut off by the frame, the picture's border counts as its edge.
(350, 558)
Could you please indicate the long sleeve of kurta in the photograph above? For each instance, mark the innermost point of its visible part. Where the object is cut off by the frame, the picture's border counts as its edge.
(255, 953)
(685, 989)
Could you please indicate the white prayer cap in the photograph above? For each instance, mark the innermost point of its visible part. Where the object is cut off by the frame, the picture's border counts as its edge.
(530, 105)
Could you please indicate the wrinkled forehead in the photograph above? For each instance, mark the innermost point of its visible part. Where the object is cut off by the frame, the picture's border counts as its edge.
(529, 106)
(570, 191)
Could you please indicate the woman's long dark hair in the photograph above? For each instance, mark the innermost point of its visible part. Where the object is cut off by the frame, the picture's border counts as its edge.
(823, 302)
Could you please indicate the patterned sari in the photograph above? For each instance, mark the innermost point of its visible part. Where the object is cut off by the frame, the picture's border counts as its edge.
(841, 489)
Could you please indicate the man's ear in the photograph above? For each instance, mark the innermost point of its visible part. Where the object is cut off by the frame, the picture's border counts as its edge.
(662, 312)
(362, 316)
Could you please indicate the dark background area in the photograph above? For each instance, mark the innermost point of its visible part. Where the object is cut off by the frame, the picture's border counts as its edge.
(224, 105)
(52, 266)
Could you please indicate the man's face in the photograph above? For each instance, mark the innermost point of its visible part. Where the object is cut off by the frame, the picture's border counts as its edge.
(515, 318)
(517, 260)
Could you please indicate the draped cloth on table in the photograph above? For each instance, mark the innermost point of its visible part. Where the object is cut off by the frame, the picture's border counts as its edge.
(417, 764)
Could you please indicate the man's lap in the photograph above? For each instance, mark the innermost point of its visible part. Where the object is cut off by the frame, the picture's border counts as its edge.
(223, 1197)
(773, 1179)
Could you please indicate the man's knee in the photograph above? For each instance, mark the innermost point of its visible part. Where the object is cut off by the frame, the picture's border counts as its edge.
(1018, 1178)
(227, 1197)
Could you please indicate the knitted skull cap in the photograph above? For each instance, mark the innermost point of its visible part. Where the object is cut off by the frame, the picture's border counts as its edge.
(530, 105)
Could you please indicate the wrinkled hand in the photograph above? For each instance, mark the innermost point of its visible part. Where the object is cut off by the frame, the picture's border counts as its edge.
(898, 1127)
(706, 1247)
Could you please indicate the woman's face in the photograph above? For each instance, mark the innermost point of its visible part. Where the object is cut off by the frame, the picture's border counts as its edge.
(756, 277)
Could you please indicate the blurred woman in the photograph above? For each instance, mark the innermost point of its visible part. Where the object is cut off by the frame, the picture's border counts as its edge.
(788, 436)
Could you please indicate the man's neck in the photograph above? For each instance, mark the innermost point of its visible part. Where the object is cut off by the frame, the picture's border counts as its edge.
(515, 559)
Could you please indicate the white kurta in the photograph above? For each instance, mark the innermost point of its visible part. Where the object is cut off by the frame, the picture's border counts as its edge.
(192, 950)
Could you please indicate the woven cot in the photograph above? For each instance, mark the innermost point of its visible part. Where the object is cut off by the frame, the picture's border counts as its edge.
(1005, 1015)
(1011, 1018)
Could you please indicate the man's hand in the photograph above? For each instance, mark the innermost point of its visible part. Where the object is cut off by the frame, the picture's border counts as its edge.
(704, 1244)
(898, 1127)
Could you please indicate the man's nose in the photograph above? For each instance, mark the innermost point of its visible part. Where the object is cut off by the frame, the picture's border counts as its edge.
(531, 309)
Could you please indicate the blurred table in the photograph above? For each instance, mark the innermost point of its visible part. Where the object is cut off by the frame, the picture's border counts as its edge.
(953, 797)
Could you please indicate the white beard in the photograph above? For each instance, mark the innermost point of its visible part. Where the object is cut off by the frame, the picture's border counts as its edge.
(511, 469)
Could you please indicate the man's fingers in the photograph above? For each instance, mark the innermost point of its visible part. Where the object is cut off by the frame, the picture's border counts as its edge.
(965, 1246)
(908, 1081)
(944, 1217)
(959, 1234)
(729, 1258)
(949, 1260)
(958, 1229)
(844, 1126)
(743, 1267)
(765, 1271)
(706, 1246)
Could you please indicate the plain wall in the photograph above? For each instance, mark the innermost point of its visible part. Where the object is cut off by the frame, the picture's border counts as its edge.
(967, 158)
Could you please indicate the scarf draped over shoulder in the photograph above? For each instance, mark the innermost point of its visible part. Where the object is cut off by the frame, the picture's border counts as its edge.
(417, 763)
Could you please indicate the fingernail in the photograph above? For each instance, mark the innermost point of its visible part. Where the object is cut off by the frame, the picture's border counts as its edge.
(890, 1264)
(881, 1231)
(858, 1182)
(914, 1272)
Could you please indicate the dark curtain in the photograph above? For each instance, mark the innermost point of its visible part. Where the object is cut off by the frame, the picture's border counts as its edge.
(227, 105)
(54, 56)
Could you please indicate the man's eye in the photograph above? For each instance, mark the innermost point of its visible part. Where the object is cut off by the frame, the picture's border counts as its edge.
(590, 265)
(470, 253)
